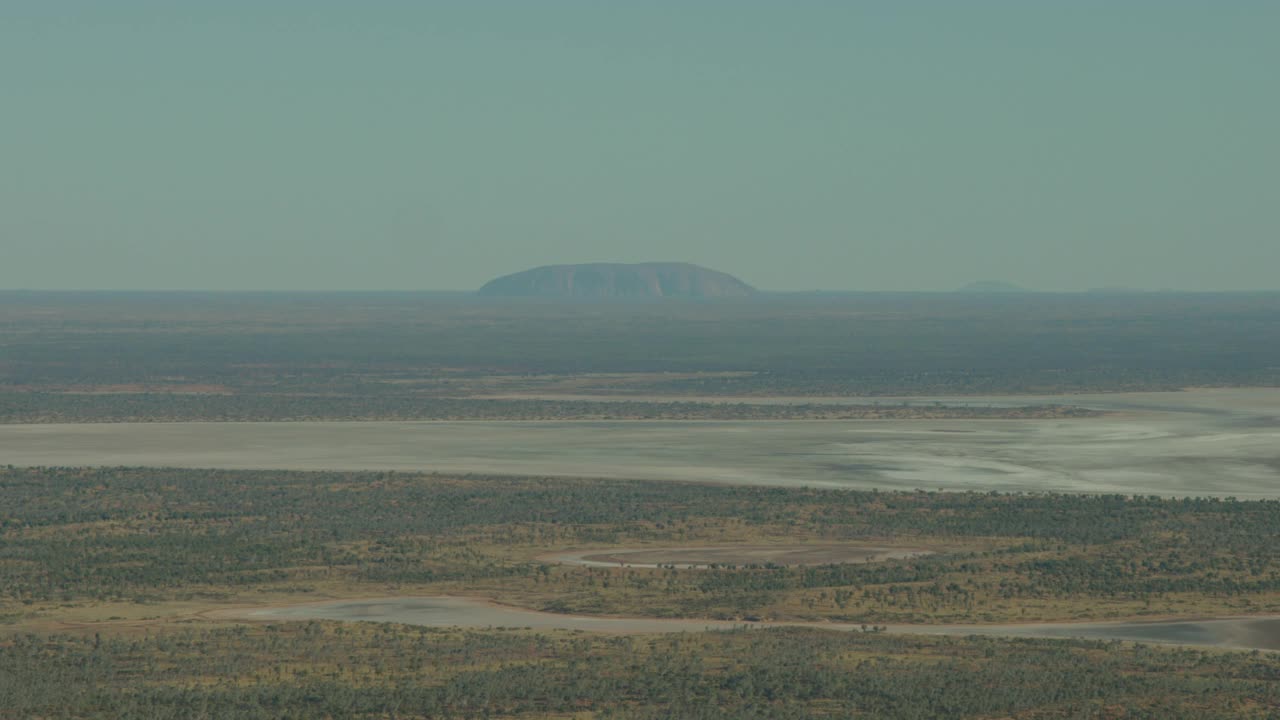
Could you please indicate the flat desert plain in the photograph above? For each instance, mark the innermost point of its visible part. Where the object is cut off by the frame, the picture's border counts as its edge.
(1223, 442)
(1199, 442)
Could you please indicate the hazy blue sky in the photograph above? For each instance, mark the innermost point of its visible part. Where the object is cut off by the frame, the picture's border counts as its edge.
(407, 144)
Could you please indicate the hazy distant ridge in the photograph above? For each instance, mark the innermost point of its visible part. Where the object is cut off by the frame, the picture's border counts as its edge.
(617, 280)
(992, 286)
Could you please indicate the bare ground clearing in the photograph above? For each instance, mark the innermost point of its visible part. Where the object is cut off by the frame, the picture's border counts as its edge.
(1205, 442)
(735, 555)
(1244, 633)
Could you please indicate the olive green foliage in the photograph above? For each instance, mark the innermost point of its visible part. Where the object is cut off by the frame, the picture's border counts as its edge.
(326, 670)
(61, 407)
(103, 533)
(74, 535)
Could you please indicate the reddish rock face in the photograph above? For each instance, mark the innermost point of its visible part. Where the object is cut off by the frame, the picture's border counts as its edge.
(615, 280)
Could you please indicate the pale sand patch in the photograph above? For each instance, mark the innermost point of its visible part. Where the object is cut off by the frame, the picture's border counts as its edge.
(733, 555)
(1197, 443)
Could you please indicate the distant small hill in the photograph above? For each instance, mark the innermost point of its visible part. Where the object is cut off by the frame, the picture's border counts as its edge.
(617, 280)
(1119, 290)
(992, 286)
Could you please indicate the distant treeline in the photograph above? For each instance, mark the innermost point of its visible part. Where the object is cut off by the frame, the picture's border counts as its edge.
(357, 344)
(57, 407)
